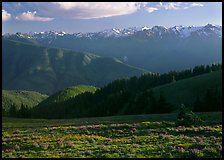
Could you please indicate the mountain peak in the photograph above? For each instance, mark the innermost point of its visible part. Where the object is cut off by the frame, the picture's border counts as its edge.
(178, 30)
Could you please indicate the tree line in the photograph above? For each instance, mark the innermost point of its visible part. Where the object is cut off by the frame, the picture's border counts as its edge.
(122, 96)
(23, 112)
(126, 96)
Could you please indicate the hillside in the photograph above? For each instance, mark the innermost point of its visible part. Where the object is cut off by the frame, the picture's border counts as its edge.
(186, 91)
(68, 93)
(52, 102)
(157, 49)
(150, 93)
(28, 98)
(48, 70)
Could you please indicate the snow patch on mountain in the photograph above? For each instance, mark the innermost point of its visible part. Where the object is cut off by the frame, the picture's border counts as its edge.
(160, 31)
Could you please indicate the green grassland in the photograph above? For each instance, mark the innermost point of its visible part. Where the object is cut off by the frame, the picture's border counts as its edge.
(51, 103)
(68, 93)
(29, 98)
(186, 91)
(151, 136)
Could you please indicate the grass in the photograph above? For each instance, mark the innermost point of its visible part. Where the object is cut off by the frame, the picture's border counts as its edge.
(29, 98)
(186, 91)
(68, 93)
(151, 136)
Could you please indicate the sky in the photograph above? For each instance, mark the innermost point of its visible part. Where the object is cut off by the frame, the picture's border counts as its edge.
(73, 17)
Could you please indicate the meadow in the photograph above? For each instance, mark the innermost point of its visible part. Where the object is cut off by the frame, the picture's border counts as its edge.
(150, 136)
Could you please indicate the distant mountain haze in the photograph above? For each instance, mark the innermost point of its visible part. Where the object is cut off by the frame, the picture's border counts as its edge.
(48, 70)
(157, 49)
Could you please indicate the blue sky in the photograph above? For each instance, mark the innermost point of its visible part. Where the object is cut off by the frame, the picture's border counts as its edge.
(74, 17)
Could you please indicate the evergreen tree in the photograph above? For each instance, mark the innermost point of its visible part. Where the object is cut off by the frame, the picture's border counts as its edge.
(162, 105)
(13, 111)
(197, 106)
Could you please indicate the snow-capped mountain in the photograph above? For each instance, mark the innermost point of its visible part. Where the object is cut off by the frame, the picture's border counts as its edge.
(160, 31)
(158, 48)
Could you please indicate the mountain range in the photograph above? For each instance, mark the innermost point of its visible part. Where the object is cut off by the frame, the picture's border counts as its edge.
(157, 49)
(48, 70)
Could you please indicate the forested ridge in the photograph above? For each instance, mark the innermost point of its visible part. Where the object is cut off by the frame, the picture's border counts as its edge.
(134, 96)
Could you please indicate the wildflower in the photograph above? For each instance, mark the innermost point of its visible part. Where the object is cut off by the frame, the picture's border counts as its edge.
(59, 142)
(161, 135)
(70, 144)
(17, 147)
(168, 137)
(208, 149)
(161, 147)
(196, 137)
(44, 146)
(220, 148)
(35, 145)
(180, 149)
(195, 151)
(102, 146)
(110, 139)
(88, 151)
(136, 145)
(16, 131)
(168, 154)
(26, 138)
(120, 131)
(171, 147)
(201, 142)
(133, 129)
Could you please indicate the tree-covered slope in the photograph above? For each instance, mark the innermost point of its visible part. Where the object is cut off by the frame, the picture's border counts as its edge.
(149, 93)
(68, 93)
(50, 104)
(187, 90)
(17, 98)
(48, 70)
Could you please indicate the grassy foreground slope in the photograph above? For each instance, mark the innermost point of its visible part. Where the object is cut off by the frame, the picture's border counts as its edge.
(29, 98)
(149, 136)
(186, 91)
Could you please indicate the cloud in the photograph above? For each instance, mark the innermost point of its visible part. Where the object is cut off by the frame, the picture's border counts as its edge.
(178, 5)
(31, 16)
(5, 15)
(151, 9)
(89, 10)
(197, 5)
(170, 5)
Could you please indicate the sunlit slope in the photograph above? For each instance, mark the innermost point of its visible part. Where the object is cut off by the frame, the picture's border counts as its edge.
(29, 98)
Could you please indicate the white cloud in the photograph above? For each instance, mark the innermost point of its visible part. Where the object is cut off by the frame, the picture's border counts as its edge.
(151, 9)
(31, 16)
(89, 10)
(197, 5)
(170, 5)
(5, 15)
(178, 5)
